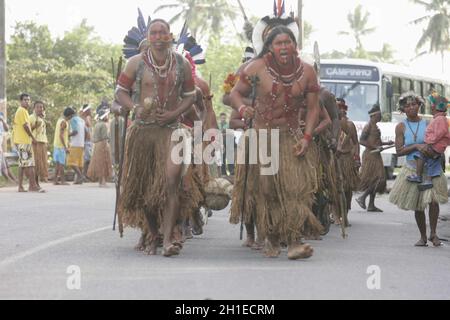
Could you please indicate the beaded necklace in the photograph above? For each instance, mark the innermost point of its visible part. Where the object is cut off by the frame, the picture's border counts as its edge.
(287, 81)
(157, 77)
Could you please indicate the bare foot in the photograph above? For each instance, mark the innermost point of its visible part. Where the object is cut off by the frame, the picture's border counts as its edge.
(250, 242)
(259, 245)
(300, 251)
(361, 203)
(272, 248)
(22, 190)
(188, 233)
(37, 190)
(374, 209)
(141, 244)
(152, 248)
(172, 250)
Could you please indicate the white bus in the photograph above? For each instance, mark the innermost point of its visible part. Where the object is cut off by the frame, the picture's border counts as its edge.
(364, 83)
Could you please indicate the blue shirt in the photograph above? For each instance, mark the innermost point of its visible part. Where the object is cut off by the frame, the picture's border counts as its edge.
(411, 129)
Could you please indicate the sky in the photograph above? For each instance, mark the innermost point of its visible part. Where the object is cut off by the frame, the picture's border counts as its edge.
(113, 19)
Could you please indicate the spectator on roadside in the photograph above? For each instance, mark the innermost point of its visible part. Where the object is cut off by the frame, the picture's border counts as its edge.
(23, 140)
(86, 115)
(101, 166)
(77, 135)
(4, 169)
(61, 145)
(39, 130)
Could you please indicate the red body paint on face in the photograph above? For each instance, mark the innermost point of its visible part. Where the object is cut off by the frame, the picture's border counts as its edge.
(283, 49)
(159, 36)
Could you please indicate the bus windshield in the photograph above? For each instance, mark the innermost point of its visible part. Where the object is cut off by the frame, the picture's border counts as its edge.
(360, 97)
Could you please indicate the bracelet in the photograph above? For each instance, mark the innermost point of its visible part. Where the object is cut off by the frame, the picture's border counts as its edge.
(307, 137)
(242, 110)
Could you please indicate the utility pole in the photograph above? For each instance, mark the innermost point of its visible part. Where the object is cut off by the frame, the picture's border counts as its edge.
(2, 58)
(301, 24)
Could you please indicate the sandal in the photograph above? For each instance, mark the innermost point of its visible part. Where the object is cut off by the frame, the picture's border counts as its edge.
(436, 241)
(421, 243)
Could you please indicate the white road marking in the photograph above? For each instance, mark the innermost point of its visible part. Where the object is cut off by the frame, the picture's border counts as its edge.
(13, 259)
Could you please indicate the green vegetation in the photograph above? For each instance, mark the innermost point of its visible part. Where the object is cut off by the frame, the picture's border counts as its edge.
(68, 71)
(437, 32)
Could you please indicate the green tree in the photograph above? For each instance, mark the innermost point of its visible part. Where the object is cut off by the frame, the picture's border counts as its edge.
(81, 46)
(437, 32)
(385, 55)
(31, 40)
(70, 71)
(358, 20)
(203, 16)
(307, 31)
(221, 60)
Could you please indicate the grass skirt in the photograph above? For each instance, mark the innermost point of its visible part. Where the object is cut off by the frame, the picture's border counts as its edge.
(193, 194)
(41, 160)
(238, 201)
(284, 201)
(349, 172)
(327, 173)
(372, 172)
(144, 179)
(101, 163)
(406, 195)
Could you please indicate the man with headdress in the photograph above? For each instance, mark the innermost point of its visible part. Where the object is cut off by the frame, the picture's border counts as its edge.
(150, 191)
(373, 176)
(348, 154)
(283, 84)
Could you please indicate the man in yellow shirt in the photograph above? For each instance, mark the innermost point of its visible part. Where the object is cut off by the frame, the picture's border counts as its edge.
(39, 130)
(23, 138)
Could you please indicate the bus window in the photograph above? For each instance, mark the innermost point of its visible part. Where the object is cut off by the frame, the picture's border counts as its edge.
(428, 89)
(440, 89)
(397, 89)
(418, 88)
(406, 85)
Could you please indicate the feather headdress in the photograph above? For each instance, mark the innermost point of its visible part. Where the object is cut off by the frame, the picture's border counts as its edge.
(136, 37)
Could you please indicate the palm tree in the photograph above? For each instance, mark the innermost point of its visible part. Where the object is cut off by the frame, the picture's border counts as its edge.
(437, 32)
(385, 55)
(201, 15)
(358, 27)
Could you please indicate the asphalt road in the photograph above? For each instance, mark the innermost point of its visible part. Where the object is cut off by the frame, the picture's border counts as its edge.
(60, 245)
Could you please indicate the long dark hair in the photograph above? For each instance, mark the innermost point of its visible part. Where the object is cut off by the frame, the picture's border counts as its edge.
(272, 35)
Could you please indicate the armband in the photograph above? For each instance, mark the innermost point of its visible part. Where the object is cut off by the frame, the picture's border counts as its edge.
(124, 82)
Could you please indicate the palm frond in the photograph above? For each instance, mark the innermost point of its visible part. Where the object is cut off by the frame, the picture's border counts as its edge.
(419, 20)
(167, 6)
